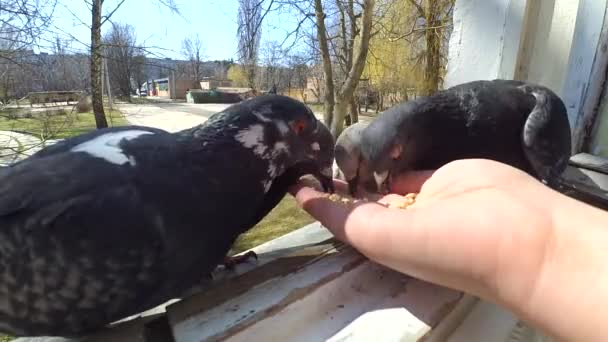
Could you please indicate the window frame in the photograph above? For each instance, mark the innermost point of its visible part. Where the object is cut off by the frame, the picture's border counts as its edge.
(594, 89)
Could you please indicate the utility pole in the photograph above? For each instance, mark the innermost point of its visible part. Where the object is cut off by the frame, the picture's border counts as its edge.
(172, 84)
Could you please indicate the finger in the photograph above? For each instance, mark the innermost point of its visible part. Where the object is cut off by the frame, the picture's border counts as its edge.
(340, 186)
(332, 215)
(410, 181)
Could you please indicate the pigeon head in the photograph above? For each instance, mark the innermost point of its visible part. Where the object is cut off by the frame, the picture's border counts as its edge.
(285, 133)
(348, 157)
(381, 144)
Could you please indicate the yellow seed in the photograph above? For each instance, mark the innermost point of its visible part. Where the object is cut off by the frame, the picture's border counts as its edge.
(408, 200)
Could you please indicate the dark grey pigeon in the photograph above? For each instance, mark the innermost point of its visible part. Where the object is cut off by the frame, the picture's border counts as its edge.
(108, 224)
(521, 124)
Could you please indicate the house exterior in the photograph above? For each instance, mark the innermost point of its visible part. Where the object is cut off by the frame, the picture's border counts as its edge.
(170, 87)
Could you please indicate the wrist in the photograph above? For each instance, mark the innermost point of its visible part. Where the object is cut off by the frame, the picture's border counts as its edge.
(568, 298)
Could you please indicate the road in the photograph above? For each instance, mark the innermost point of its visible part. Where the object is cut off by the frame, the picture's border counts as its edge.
(170, 116)
(175, 116)
(162, 113)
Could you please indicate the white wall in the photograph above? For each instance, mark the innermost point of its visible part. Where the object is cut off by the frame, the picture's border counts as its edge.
(485, 40)
(550, 42)
(589, 22)
(493, 37)
(551, 51)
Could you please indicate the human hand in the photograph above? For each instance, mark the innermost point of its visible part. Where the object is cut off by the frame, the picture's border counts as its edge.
(478, 226)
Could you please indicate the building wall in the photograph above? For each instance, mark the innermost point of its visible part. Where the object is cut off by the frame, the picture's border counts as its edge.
(485, 40)
(181, 86)
(550, 42)
(532, 43)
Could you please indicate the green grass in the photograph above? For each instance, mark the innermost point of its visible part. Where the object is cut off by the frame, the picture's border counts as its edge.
(284, 218)
(57, 126)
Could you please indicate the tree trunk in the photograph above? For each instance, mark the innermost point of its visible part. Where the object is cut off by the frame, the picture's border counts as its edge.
(251, 77)
(354, 110)
(433, 47)
(96, 60)
(328, 96)
(337, 125)
(346, 92)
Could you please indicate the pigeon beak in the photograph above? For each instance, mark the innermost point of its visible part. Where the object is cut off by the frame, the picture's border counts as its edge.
(327, 180)
(381, 179)
(352, 185)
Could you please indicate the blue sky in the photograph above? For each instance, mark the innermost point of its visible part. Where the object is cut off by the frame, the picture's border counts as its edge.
(213, 20)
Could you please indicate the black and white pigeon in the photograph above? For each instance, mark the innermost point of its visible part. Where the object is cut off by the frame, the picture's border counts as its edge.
(521, 124)
(108, 224)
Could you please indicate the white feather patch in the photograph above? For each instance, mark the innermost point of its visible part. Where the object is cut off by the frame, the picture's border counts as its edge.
(282, 126)
(253, 137)
(107, 146)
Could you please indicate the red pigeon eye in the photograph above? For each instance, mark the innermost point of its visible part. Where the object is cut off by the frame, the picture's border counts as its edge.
(298, 126)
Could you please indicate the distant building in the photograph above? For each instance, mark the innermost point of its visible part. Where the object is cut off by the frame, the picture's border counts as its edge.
(208, 83)
(315, 89)
(169, 87)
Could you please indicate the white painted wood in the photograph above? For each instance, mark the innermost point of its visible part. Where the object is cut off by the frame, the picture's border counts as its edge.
(485, 40)
(589, 20)
(537, 24)
(512, 39)
(490, 322)
(552, 41)
(387, 325)
(453, 320)
(319, 300)
(513, 29)
(486, 322)
(593, 116)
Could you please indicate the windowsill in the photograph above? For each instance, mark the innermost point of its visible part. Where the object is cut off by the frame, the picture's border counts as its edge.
(586, 178)
(305, 287)
(308, 287)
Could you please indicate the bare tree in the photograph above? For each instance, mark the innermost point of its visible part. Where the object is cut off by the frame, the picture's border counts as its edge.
(22, 23)
(139, 69)
(432, 25)
(96, 60)
(192, 49)
(120, 50)
(337, 101)
(298, 72)
(272, 58)
(250, 18)
(97, 20)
